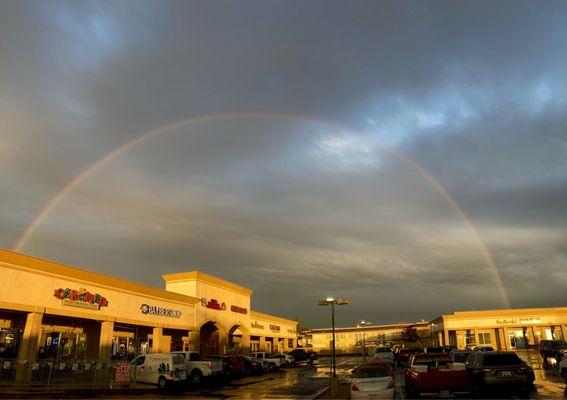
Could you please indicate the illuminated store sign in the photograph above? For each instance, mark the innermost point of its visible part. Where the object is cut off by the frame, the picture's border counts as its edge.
(213, 304)
(81, 298)
(256, 325)
(159, 311)
(237, 309)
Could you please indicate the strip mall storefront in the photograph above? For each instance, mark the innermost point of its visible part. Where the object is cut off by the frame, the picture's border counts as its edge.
(53, 311)
(503, 329)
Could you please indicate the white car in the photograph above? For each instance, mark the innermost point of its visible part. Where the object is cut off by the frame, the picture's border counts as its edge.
(197, 368)
(372, 382)
(286, 359)
(267, 361)
(563, 369)
(159, 369)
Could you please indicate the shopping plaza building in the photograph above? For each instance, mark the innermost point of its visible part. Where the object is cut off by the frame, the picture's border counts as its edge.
(51, 310)
(508, 329)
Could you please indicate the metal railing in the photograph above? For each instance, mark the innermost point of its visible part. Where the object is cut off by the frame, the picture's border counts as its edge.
(82, 373)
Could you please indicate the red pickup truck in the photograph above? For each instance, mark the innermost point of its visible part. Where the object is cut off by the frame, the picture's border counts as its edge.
(434, 375)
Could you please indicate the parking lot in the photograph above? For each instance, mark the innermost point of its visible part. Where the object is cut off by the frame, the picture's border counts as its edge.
(302, 382)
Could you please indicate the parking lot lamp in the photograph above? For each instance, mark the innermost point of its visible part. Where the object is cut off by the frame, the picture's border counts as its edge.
(362, 324)
(332, 302)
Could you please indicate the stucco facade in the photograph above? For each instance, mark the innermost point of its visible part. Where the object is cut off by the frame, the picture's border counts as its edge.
(51, 310)
(503, 329)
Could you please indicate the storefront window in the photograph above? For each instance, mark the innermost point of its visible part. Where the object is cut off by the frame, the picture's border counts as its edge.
(66, 345)
(484, 338)
(9, 343)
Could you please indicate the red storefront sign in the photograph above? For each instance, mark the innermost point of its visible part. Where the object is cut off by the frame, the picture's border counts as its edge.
(237, 309)
(80, 298)
(213, 304)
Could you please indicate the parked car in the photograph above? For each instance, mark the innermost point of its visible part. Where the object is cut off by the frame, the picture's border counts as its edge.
(434, 374)
(372, 382)
(499, 371)
(383, 353)
(252, 366)
(159, 369)
(286, 359)
(563, 369)
(227, 367)
(302, 355)
(459, 356)
(552, 350)
(439, 349)
(197, 368)
(403, 355)
(266, 359)
(482, 347)
(237, 364)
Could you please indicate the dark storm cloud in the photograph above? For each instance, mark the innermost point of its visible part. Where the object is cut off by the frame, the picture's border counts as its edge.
(476, 92)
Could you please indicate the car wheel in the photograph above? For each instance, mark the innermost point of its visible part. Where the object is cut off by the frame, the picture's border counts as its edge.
(271, 367)
(196, 377)
(161, 383)
(564, 374)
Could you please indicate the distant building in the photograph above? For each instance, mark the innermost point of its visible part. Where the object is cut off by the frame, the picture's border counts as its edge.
(350, 340)
(504, 329)
(508, 329)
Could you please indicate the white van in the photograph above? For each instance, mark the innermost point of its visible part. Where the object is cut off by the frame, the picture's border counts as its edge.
(159, 369)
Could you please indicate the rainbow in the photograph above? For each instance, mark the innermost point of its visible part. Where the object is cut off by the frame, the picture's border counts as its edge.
(55, 200)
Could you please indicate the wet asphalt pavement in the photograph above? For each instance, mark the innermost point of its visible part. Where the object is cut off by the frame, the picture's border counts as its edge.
(303, 382)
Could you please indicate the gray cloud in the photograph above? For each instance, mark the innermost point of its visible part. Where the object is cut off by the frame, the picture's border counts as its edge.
(295, 210)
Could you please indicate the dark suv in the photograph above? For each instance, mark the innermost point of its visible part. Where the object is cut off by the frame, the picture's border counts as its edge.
(552, 349)
(499, 371)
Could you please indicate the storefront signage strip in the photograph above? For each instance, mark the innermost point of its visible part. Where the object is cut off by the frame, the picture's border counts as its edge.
(275, 328)
(159, 311)
(518, 321)
(237, 309)
(81, 298)
(213, 304)
(256, 325)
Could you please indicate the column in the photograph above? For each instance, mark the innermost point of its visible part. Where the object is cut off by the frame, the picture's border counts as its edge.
(245, 349)
(105, 342)
(223, 341)
(439, 338)
(31, 337)
(194, 341)
(476, 341)
(445, 337)
(262, 343)
(157, 339)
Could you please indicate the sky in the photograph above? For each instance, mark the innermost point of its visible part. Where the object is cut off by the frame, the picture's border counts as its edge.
(330, 123)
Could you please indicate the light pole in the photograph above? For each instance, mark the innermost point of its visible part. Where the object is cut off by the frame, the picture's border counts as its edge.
(332, 302)
(362, 324)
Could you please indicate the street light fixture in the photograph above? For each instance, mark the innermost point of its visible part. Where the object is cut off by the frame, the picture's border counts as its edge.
(362, 324)
(330, 301)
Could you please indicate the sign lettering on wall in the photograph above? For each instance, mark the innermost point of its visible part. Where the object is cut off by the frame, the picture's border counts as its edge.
(291, 331)
(159, 311)
(237, 309)
(213, 304)
(256, 325)
(275, 328)
(518, 321)
(81, 298)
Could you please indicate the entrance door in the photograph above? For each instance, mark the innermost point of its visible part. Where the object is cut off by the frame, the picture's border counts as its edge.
(516, 339)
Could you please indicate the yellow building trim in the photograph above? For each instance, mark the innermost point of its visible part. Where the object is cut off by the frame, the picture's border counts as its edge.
(506, 313)
(82, 315)
(20, 261)
(268, 317)
(201, 276)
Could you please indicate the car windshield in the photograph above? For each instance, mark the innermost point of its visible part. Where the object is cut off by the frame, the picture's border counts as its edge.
(493, 360)
(460, 357)
(557, 345)
(371, 373)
